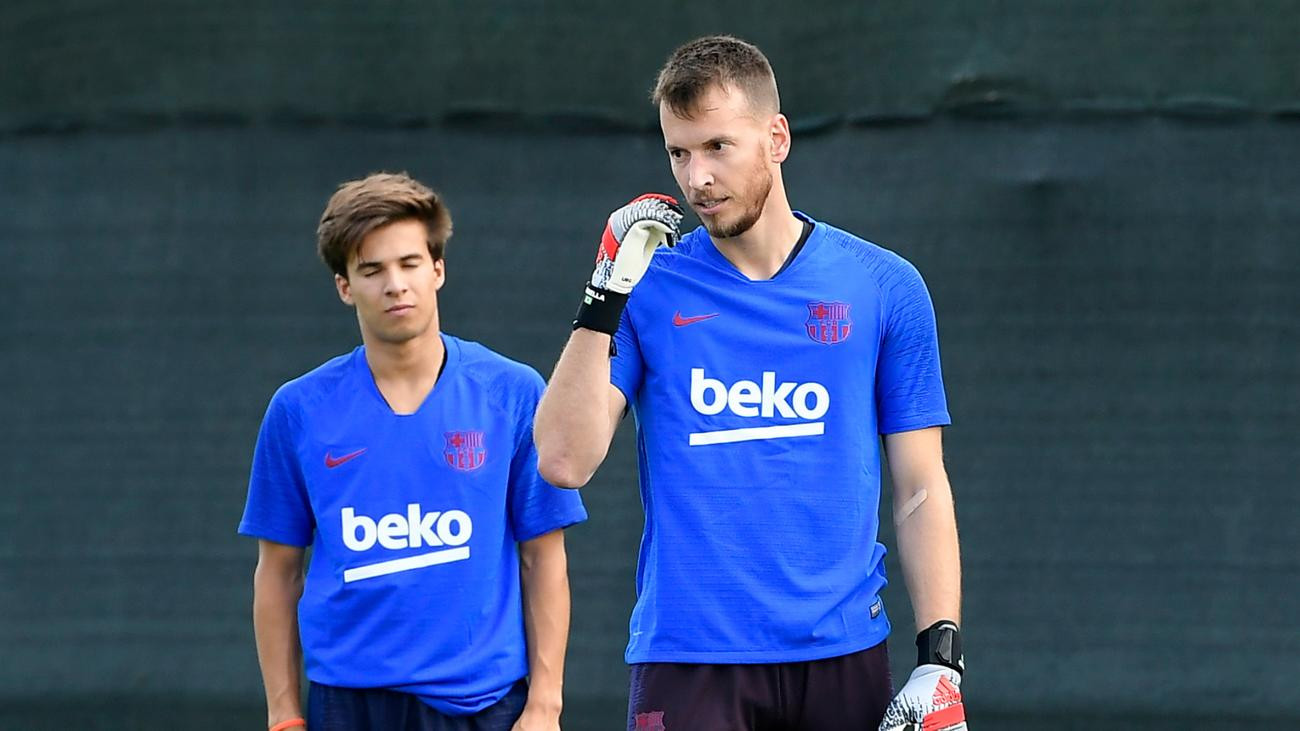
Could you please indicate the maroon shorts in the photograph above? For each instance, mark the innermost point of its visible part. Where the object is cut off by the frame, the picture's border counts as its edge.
(846, 693)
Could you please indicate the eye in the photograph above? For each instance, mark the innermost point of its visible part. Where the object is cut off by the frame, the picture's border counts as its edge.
(677, 154)
(717, 146)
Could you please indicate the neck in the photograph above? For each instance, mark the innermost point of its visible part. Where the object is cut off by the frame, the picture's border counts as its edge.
(760, 252)
(414, 361)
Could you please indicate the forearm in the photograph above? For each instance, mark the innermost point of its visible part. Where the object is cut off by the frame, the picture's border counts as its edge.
(545, 583)
(279, 652)
(572, 428)
(929, 554)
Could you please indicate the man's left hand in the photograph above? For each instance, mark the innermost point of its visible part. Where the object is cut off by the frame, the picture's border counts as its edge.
(931, 701)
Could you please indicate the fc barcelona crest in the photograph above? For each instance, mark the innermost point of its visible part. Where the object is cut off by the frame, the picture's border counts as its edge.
(465, 450)
(828, 322)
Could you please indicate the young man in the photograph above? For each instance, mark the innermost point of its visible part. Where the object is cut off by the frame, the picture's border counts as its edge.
(408, 465)
(762, 357)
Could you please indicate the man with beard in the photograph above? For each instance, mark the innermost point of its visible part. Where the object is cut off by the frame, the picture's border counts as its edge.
(763, 354)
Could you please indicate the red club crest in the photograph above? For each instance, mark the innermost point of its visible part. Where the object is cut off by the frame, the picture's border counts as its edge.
(465, 450)
(828, 322)
(652, 721)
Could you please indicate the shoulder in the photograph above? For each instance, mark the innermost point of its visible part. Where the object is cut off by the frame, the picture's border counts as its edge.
(494, 372)
(873, 256)
(315, 386)
(889, 270)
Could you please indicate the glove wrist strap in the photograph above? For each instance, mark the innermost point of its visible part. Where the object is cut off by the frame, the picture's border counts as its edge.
(940, 644)
(601, 310)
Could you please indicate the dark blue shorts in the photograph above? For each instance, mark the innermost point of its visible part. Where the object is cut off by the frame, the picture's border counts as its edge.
(361, 709)
(846, 693)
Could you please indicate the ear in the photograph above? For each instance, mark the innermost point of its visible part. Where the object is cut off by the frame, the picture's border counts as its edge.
(344, 288)
(780, 134)
(439, 273)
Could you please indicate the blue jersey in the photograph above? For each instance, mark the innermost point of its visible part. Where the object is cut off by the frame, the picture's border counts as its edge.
(759, 406)
(413, 520)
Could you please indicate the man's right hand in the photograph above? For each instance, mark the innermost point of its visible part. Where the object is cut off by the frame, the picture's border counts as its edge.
(631, 236)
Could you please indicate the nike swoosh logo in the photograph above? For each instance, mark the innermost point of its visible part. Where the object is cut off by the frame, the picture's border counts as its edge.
(679, 321)
(332, 462)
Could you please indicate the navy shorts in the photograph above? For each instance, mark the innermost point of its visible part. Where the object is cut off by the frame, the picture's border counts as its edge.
(846, 693)
(363, 709)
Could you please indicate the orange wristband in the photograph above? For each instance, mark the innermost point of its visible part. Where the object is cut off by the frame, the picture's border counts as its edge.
(281, 726)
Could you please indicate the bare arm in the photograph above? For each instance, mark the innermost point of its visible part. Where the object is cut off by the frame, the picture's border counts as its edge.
(545, 578)
(927, 525)
(277, 587)
(579, 412)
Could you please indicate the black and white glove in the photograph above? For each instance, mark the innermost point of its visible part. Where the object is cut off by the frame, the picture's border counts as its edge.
(931, 699)
(631, 236)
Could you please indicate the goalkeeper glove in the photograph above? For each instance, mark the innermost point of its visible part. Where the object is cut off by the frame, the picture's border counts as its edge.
(631, 236)
(931, 699)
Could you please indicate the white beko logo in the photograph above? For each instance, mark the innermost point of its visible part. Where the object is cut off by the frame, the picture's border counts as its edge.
(448, 531)
(765, 399)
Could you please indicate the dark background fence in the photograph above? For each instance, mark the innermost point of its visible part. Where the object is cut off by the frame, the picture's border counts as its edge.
(1103, 197)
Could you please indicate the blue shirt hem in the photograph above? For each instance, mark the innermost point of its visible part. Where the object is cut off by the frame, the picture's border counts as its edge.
(565, 522)
(923, 421)
(752, 657)
(288, 538)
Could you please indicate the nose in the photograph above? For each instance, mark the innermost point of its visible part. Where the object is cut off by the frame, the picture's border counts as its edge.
(395, 284)
(698, 174)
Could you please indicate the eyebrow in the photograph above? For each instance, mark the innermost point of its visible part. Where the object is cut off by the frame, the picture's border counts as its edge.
(706, 143)
(376, 264)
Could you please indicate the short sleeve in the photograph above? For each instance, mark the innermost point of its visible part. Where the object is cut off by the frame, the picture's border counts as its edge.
(536, 506)
(909, 381)
(278, 508)
(626, 368)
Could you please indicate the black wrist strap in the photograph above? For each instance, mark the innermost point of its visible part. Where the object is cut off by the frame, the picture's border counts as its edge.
(940, 644)
(600, 310)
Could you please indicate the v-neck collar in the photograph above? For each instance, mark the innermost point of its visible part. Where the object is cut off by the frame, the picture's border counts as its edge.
(450, 360)
(809, 237)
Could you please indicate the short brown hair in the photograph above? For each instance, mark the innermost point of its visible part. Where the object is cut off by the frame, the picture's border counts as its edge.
(723, 61)
(359, 207)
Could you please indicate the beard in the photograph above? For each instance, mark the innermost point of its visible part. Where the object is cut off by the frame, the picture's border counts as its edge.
(752, 202)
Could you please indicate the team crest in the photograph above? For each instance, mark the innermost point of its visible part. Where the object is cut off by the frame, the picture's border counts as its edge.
(828, 322)
(652, 721)
(465, 450)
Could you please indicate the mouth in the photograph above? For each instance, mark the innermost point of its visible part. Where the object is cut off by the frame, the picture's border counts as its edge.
(399, 309)
(708, 206)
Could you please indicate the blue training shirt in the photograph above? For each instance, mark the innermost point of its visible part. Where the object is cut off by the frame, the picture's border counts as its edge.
(413, 522)
(759, 406)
